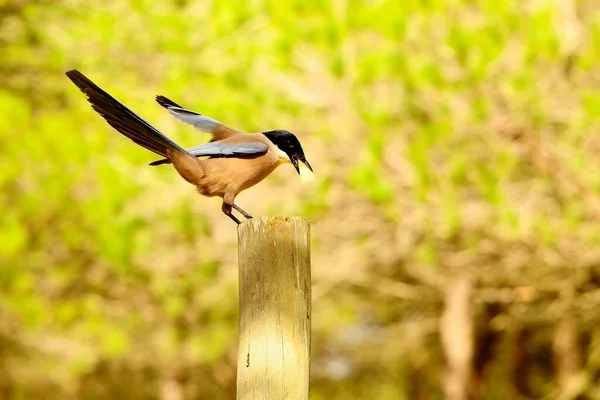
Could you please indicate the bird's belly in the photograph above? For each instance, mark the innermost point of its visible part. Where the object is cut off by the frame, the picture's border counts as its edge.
(232, 175)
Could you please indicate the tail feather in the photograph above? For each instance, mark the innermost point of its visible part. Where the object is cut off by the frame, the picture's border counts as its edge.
(122, 118)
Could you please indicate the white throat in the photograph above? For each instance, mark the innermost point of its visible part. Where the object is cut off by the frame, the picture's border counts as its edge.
(283, 155)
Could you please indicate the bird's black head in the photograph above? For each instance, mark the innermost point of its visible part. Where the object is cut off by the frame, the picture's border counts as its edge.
(289, 144)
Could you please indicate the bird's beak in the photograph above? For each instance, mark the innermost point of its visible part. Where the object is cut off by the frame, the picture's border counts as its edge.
(304, 169)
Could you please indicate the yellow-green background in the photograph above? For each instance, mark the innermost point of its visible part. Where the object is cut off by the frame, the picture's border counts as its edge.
(451, 139)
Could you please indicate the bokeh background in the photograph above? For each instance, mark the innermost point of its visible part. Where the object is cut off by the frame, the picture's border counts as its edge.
(456, 240)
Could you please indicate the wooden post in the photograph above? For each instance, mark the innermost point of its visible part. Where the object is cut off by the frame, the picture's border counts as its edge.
(274, 324)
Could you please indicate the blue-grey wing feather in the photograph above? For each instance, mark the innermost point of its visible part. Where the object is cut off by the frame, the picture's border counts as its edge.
(216, 149)
(200, 122)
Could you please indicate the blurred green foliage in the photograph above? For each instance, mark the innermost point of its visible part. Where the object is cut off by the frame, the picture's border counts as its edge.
(450, 138)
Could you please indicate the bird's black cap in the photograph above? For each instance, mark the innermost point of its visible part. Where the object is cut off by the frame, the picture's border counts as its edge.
(288, 143)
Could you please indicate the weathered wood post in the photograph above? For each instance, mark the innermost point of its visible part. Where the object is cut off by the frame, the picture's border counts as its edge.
(274, 322)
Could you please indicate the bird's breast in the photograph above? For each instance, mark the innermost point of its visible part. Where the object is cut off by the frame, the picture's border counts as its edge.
(233, 175)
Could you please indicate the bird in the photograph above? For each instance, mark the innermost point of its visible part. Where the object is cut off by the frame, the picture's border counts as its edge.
(231, 162)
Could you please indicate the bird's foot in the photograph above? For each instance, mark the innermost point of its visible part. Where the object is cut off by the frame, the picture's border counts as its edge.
(244, 213)
(234, 218)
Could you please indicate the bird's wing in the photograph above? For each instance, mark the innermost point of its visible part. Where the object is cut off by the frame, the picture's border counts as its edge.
(198, 121)
(216, 149)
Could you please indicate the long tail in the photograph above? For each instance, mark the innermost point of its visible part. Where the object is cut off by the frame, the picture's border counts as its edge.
(122, 118)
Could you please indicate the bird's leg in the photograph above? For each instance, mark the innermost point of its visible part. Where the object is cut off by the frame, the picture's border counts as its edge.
(234, 218)
(226, 208)
(244, 213)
